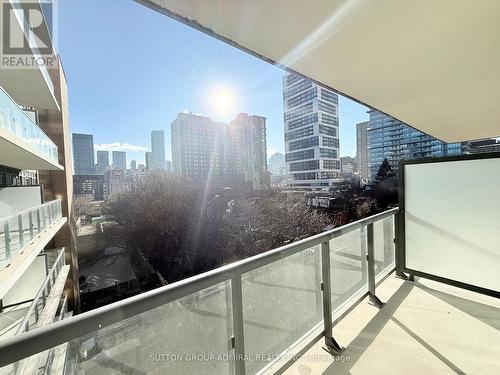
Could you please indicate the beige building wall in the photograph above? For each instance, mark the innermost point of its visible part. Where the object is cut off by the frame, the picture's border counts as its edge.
(59, 184)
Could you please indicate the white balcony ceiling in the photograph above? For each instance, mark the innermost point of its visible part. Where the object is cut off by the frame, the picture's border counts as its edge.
(29, 87)
(432, 64)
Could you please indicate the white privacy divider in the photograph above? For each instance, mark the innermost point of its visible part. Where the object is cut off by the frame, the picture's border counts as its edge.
(451, 218)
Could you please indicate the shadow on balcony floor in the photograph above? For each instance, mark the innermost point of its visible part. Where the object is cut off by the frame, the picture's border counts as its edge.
(424, 328)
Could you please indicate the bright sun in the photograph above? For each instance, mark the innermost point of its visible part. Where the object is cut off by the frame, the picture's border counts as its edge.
(222, 101)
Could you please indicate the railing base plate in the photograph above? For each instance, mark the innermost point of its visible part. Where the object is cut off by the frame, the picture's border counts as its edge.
(332, 346)
(401, 275)
(375, 301)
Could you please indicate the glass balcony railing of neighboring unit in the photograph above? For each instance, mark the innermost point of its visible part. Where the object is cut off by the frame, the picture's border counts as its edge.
(241, 318)
(14, 120)
(18, 230)
(31, 319)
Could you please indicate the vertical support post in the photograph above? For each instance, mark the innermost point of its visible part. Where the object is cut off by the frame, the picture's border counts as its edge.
(38, 221)
(31, 224)
(330, 342)
(317, 282)
(44, 217)
(370, 257)
(399, 242)
(238, 338)
(20, 230)
(6, 232)
(36, 311)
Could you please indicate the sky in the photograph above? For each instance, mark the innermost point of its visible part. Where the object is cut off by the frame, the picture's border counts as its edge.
(131, 70)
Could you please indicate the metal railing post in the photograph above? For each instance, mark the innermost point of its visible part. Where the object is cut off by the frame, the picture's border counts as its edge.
(370, 257)
(238, 341)
(398, 245)
(31, 224)
(20, 230)
(38, 221)
(330, 342)
(6, 232)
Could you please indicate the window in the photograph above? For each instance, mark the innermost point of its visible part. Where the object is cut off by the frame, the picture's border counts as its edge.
(323, 129)
(327, 153)
(329, 142)
(304, 165)
(306, 120)
(300, 155)
(299, 133)
(303, 143)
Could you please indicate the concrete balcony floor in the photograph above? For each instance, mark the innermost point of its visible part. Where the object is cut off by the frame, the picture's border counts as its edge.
(424, 328)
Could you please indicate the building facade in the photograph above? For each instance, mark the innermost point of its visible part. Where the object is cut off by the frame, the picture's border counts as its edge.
(362, 150)
(83, 154)
(245, 158)
(394, 140)
(119, 160)
(89, 186)
(481, 145)
(158, 149)
(311, 122)
(38, 263)
(198, 148)
(102, 161)
(348, 166)
(277, 165)
(232, 155)
(148, 158)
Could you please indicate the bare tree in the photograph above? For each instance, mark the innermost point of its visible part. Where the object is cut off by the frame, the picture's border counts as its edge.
(184, 229)
(81, 206)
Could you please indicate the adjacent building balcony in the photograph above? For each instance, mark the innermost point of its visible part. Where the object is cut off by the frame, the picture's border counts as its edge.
(23, 145)
(23, 236)
(44, 308)
(30, 85)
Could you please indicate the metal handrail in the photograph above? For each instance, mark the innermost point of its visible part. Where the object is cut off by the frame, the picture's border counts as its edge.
(18, 347)
(30, 209)
(42, 293)
(40, 217)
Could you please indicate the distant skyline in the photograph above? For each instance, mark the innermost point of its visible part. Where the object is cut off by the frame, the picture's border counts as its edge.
(134, 70)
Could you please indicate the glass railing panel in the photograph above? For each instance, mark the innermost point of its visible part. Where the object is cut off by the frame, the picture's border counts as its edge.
(384, 247)
(281, 303)
(26, 228)
(188, 336)
(14, 237)
(348, 268)
(14, 120)
(18, 230)
(35, 309)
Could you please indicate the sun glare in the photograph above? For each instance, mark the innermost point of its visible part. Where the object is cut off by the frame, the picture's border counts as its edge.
(222, 101)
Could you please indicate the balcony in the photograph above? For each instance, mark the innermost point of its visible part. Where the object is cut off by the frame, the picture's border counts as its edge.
(259, 315)
(23, 236)
(30, 86)
(43, 308)
(23, 145)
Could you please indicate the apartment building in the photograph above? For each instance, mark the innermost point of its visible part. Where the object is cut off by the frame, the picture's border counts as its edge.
(158, 149)
(119, 160)
(38, 265)
(232, 155)
(393, 140)
(83, 154)
(102, 161)
(311, 121)
(246, 158)
(362, 150)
